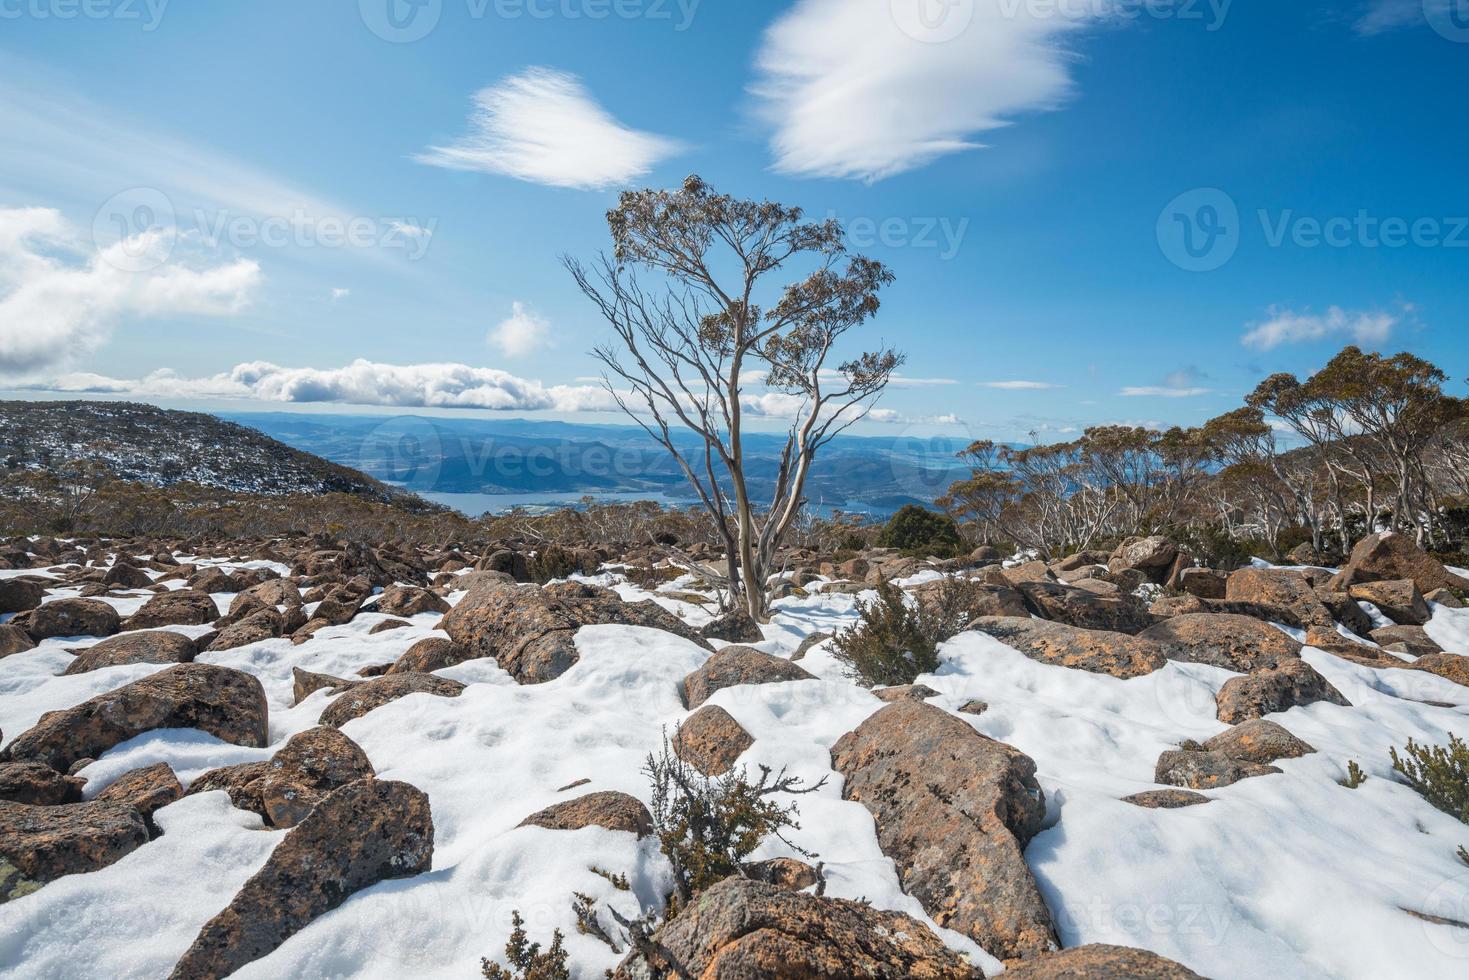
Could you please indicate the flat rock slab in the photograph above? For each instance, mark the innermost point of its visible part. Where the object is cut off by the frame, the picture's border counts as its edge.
(37, 784)
(151, 647)
(182, 608)
(39, 844)
(1399, 600)
(1236, 643)
(370, 695)
(1288, 591)
(1389, 556)
(750, 929)
(1116, 654)
(1166, 799)
(955, 811)
(366, 832)
(1085, 609)
(228, 704)
(737, 665)
(1204, 770)
(610, 810)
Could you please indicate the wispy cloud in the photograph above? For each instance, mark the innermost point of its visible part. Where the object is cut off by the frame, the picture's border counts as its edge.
(523, 332)
(1381, 16)
(866, 89)
(543, 126)
(1021, 385)
(1366, 327)
(61, 298)
(1163, 391)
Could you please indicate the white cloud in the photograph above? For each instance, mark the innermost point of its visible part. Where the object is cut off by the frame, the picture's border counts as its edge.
(1382, 16)
(866, 89)
(1369, 328)
(543, 126)
(1020, 385)
(1163, 391)
(523, 332)
(60, 298)
(340, 294)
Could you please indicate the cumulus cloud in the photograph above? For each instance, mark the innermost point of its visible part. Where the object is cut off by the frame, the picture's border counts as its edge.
(1020, 385)
(866, 89)
(1369, 328)
(543, 126)
(523, 332)
(60, 298)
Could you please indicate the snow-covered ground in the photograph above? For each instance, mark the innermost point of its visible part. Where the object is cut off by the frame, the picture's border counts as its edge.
(1288, 875)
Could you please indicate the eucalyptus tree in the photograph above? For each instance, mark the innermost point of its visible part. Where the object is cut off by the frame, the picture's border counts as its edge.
(687, 291)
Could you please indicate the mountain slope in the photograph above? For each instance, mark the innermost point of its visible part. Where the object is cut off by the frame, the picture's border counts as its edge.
(160, 447)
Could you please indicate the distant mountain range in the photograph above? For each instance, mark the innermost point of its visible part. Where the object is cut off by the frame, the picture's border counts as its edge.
(520, 456)
(162, 447)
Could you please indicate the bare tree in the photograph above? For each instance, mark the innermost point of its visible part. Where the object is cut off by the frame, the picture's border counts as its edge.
(687, 347)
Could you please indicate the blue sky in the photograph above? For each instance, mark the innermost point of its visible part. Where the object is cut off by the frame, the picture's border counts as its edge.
(1097, 210)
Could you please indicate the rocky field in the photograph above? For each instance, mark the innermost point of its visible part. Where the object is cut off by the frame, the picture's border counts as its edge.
(299, 758)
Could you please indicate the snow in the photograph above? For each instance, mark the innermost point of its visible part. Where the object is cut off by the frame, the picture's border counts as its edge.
(1284, 875)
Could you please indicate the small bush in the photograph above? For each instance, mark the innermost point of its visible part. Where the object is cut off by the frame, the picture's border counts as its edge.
(706, 827)
(923, 532)
(556, 562)
(1440, 775)
(1355, 776)
(526, 960)
(893, 642)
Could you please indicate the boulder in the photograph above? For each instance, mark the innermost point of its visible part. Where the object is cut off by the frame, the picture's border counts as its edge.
(430, 654)
(1399, 600)
(275, 592)
(151, 647)
(370, 695)
(1100, 962)
(37, 784)
(1389, 556)
(1444, 597)
(735, 626)
(1345, 610)
(19, 595)
(127, 577)
(1206, 583)
(1204, 770)
(262, 624)
(1285, 590)
(529, 630)
(305, 683)
(228, 704)
(39, 844)
(364, 833)
(1031, 571)
(1166, 799)
(388, 625)
(308, 768)
(614, 811)
(14, 640)
(182, 608)
(1259, 741)
(1085, 609)
(410, 600)
(734, 666)
(1449, 666)
(1411, 640)
(984, 600)
(711, 740)
(1117, 654)
(955, 811)
(1288, 684)
(806, 646)
(212, 580)
(1153, 556)
(146, 790)
(1236, 643)
(787, 873)
(69, 617)
(905, 692)
(748, 929)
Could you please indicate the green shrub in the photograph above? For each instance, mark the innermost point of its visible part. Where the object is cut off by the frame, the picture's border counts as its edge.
(893, 641)
(914, 529)
(555, 562)
(1440, 775)
(706, 827)
(526, 960)
(1355, 776)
